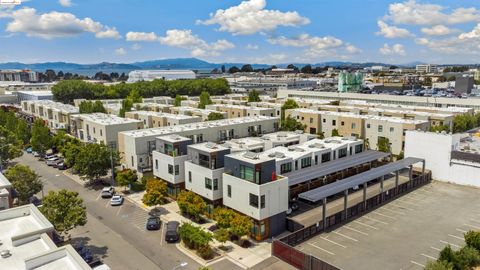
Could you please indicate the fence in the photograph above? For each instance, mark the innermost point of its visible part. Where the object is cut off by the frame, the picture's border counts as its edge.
(283, 248)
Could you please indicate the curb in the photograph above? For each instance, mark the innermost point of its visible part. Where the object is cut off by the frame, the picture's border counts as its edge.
(194, 257)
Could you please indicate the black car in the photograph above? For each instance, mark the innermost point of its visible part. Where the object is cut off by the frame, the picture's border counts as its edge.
(153, 223)
(171, 234)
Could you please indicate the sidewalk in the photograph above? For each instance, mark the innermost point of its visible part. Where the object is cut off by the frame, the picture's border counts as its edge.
(243, 257)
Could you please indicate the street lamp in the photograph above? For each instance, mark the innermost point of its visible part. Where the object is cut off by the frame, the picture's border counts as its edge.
(183, 264)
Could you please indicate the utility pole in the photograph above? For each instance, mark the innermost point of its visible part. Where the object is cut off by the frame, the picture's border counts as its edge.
(113, 168)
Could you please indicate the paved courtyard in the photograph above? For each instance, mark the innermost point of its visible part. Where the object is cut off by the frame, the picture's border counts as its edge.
(403, 234)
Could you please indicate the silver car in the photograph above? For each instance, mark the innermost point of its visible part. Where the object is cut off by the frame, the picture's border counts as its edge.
(116, 200)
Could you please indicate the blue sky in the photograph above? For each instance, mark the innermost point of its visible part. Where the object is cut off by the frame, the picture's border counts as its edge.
(255, 31)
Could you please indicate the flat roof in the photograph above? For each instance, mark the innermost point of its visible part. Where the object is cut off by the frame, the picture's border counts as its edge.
(4, 183)
(106, 119)
(302, 176)
(208, 147)
(320, 193)
(163, 114)
(173, 138)
(36, 93)
(250, 157)
(56, 106)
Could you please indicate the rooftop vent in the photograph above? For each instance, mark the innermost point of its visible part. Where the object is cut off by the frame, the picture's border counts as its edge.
(250, 155)
(5, 253)
(211, 145)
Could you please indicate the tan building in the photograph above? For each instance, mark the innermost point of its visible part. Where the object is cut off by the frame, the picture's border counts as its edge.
(55, 114)
(202, 113)
(160, 119)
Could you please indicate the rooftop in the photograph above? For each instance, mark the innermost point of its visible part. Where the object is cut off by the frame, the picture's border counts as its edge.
(173, 138)
(56, 106)
(4, 183)
(208, 147)
(244, 144)
(106, 119)
(36, 93)
(166, 115)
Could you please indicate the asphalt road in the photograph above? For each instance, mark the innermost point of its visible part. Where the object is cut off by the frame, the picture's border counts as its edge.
(117, 234)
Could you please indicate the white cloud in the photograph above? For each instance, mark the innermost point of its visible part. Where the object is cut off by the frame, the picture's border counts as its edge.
(352, 49)
(54, 24)
(475, 33)
(274, 58)
(390, 31)
(411, 12)
(65, 3)
(141, 36)
(395, 49)
(120, 51)
(251, 47)
(437, 30)
(251, 17)
(451, 45)
(136, 47)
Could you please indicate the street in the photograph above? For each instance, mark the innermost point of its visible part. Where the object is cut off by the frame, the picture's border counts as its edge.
(116, 234)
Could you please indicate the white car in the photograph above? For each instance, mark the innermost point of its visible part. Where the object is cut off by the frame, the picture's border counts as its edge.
(116, 200)
(52, 161)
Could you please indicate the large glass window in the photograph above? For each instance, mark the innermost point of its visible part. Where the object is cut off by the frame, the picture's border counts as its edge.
(306, 162)
(342, 152)
(262, 201)
(177, 169)
(246, 173)
(358, 148)
(286, 167)
(326, 157)
(170, 169)
(253, 200)
(215, 184)
(208, 183)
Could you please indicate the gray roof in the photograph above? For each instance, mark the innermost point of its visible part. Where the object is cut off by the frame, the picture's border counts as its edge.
(318, 194)
(301, 176)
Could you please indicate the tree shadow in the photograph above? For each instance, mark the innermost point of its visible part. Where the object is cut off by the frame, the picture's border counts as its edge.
(99, 252)
(158, 211)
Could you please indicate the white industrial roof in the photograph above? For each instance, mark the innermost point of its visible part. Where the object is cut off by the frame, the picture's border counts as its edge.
(106, 119)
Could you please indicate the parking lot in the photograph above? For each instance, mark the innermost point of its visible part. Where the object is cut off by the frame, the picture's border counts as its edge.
(403, 234)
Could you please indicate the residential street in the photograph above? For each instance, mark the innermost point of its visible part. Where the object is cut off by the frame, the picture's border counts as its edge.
(115, 233)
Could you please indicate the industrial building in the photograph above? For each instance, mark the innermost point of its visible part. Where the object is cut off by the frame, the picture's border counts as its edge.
(150, 75)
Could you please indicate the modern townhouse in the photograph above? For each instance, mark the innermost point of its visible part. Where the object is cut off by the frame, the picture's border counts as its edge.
(234, 111)
(223, 100)
(55, 114)
(160, 119)
(203, 113)
(276, 106)
(136, 146)
(154, 107)
(101, 127)
(189, 103)
(155, 100)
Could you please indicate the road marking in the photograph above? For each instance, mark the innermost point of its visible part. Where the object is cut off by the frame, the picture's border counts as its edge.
(333, 242)
(473, 226)
(99, 195)
(108, 202)
(331, 253)
(346, 236)
(410, 203)
(434, 248)
(395, 203)
(448, 243)
(476, 221)
(460, 230)
(355, 230)
(454, 236)
(376, 220)
(383, 215)
(419, 264)
(57, 175)
(366, 225)
(428, 256)
(120, 208)
(161, 234)
(393, 211)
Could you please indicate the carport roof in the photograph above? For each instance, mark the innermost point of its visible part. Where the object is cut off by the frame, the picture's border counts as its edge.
(318, 194)
(301, 176)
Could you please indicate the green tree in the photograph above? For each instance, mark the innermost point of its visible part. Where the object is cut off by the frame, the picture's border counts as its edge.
(22, 131)
(10, 146)
(41, 140)
(194, 237)
(383, 145)
(466, 258)
(335, 132)
(204, 100)
(289, 104)
(233, 70)
(70, 152)
(127, 105)
(156, 192)
(321, 135)
(439, 265)
(191, 204)
(94, 161)
(291, 124)
(253, 96)
(472, 239)
(64, 209)
(215, 116)
(135, 96)
(126, 178)
(178, 100)
(25, 181)
(60, 139)
(92, 107)
(440, 128)
(221, 235)
(306, 69)
(223, 216)
(241, 225)
(246, 68)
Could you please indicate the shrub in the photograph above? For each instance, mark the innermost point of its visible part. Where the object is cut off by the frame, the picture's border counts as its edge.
(466, 258)
(245, 243)
(191, 204)
(439, 265)
(206, 252)
(223, 216)
(472, 239)
(194, 237)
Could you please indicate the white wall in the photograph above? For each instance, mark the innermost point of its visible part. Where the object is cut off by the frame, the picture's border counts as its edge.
(198, 180)
(162, 170)
(276, 196)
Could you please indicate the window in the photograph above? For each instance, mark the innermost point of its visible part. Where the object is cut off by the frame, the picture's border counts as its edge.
(286, 167)
(208, 183)
(189, 176)
(326, 157)
(316, 159)
(246, 173)
(93, 130)
(296, 165)
(324, 120)
(380, 128)
(101, 133)
(170, 169)
(229, 191)
(262, 201)
(354, 126)
(215, 184)
(334, 122)
(358, 148)
(156, 164)
(391, 129)
(342, 123)
(368, 125)
(177, 169)
(306, 162)
(132, 162)
(253, 200)
(342, 152)
(311, 120)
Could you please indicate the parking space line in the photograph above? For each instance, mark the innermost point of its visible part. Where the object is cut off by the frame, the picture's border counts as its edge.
(454, 236)
(451, 244)
(419, 264)
(476, 221)
(98, 198)
(383, 215)
(119, 209)
(460, 230)
(428, 256)
(366, 225)
(333, 242)
(324, 250)
(161, 234)
(346, 236)
(473, 226)
(406, 202)
(108, 202)
(434, 248)
(355, 230)
(376, 220)
(392, 211)
(395, 203)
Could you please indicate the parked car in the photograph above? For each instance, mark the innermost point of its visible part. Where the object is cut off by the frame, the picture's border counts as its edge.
(85, 253)
(36, 154)
(62, 166)
(171, 234)
(49, 156)
(107, 192)
(57, 162)
(52, 160)
(29, 150)
(116, 200)
(153, 223)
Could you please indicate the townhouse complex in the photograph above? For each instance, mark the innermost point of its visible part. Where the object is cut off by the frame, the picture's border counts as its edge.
(160, 119)
(55, 114)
